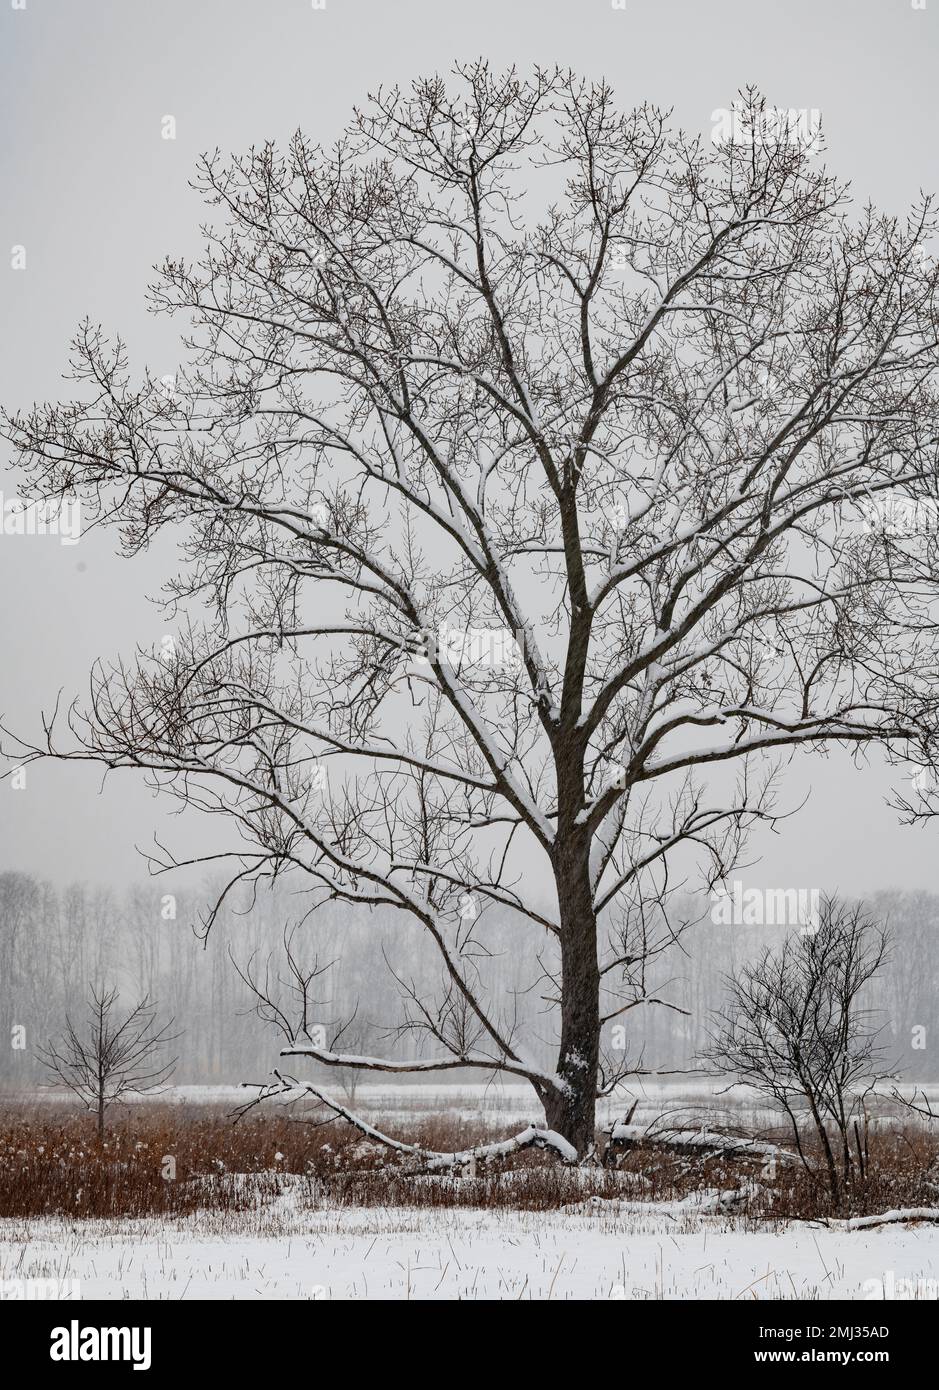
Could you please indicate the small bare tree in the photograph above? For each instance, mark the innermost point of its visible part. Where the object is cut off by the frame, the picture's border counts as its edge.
(109, 1059)
(795, 1028)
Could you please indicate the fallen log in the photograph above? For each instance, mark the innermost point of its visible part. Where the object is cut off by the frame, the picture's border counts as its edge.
(701, 1142)
(886, 1218)
(288, 1090)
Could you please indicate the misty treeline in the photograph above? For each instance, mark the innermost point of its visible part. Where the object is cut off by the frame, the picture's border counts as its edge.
(369, 984)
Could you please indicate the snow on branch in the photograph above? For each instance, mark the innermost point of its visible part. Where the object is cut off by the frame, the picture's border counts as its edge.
(886, 1218)
(387, 1064)
(287, 1090)
(698, 1141)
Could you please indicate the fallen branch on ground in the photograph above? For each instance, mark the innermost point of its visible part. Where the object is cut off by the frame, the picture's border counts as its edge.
(697, 1141)
(886, 1218)
(287, 1090)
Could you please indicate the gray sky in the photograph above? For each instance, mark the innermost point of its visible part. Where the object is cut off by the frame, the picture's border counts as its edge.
(96, 196)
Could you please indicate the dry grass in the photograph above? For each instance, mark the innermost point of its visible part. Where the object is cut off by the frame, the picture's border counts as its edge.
(50, 1164)
(901, 1172)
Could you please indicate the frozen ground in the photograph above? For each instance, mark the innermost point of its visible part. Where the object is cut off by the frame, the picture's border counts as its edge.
(291, 1249)
(604, 1252)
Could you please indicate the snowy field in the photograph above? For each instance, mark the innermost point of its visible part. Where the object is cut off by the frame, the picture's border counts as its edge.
(297, 1247)
(606, 1251)
(686, 1102)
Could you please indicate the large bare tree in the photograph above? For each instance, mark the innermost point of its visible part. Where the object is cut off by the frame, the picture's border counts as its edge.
(506, 360)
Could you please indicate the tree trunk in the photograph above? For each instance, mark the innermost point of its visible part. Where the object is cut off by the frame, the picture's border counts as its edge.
(100, 1118)
(822, 1132)
(570, 1109)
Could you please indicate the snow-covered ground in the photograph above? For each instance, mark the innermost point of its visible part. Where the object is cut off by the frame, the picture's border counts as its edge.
(292, 1248)
(605, 1251)
(681, 1102)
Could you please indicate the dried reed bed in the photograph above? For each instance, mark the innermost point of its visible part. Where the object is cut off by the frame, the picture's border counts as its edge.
(172, 1160)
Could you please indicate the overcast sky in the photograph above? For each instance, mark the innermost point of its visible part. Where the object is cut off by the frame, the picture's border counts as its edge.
(97, 196)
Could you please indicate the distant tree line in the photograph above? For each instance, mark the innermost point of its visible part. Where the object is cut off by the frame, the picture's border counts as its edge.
(146, 941)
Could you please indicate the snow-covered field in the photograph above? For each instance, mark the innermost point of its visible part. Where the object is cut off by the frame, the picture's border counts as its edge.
(294, 1248)
(606, 1251)
(684, 1102)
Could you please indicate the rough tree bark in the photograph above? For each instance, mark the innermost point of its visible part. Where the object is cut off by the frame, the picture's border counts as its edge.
(570, 1109)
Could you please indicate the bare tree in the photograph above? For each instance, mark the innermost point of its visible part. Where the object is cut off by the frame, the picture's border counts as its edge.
(109, 1059)
(796, 1028)
(524, 468)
